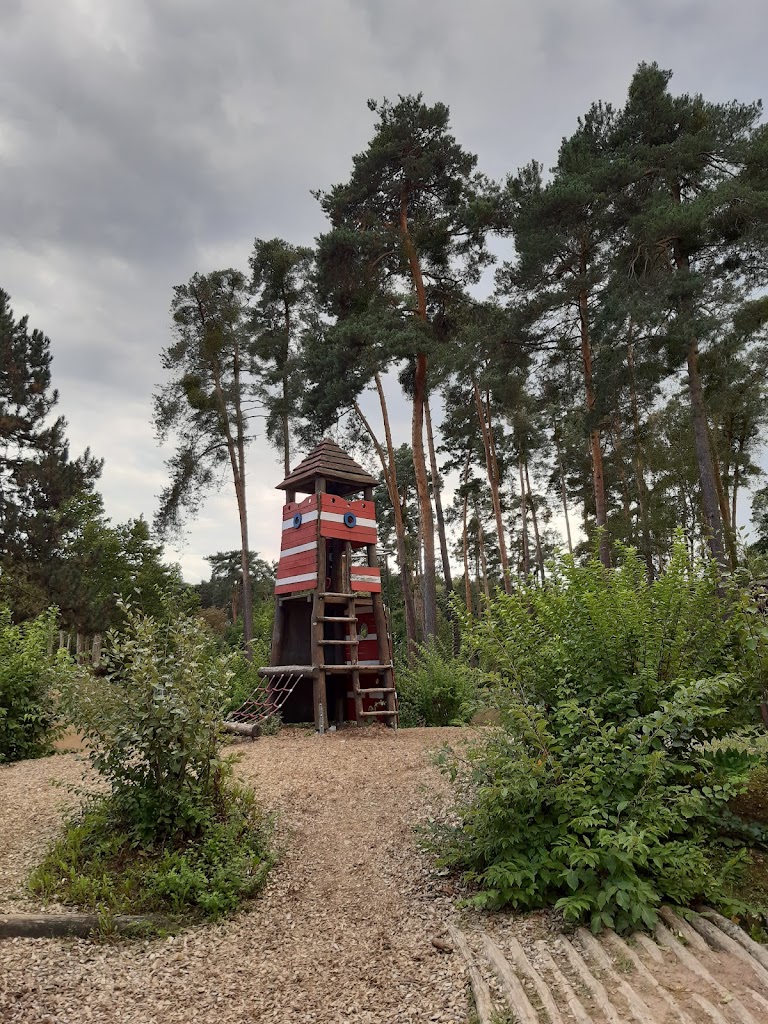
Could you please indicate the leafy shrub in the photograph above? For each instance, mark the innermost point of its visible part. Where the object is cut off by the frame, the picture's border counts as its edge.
(263, 619)
(153, 724)
(436, 688)
(244, 680)
(603, 793)
(28, 679)
(93, 866)
(173, 830)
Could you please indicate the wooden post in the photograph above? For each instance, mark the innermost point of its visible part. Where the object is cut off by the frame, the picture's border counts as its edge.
(379, 615)
(276, 652)
(96, 652)
(319, 695)
(347, 574)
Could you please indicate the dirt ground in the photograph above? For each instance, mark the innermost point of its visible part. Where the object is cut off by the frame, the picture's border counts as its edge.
(342, 933)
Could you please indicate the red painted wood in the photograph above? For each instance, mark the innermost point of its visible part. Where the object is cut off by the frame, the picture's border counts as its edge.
(306, 534)
(291, 588)
(374, 587)
(305, 561)
(286, 571)
(368, 650)
(357, 536)
(290, 510)
(332, 503)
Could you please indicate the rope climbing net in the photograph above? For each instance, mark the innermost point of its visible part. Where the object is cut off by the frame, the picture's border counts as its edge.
(268, 700)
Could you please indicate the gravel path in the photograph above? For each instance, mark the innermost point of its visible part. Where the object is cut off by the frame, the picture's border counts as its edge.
(342, 932)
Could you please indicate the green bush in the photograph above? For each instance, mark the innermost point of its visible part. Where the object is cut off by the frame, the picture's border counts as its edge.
(436, 688)
(604, 792)
(29, 676)
(94, 864)
(173, 830)
(153, 724)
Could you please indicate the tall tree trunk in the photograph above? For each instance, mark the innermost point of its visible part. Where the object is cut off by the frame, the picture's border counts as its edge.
(725, 470)
(713, 523)
(429, 585)
(526, 560)
(236, 452)
(464, 538)
(389, 469)
(722, 499)
(492, 470)
(638, 462)
(465, 550)
(247, 600)
(563, 489)
(483, 559)
(736, 480)
(535, 521)
(615, 430)
(598, 477)
(286, 425)
(436, 492)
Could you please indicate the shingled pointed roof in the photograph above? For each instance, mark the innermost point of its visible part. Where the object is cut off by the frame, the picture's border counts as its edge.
(330, 462)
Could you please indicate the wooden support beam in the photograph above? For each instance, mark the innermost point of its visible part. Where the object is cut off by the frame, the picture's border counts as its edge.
(276, 670)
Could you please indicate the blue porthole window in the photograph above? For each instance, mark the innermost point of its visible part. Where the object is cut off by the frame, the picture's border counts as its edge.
(350, 519)
(297, 521)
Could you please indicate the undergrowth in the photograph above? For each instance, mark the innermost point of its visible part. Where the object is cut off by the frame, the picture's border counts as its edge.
(173, 832)
(29, 676)
(436, 688)
(96, 863)
(606, 790)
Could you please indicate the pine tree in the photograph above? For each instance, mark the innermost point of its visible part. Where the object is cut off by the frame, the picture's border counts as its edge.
(407, 233)
(40, 484)
(281, 281)
(561, 237)
(696, 209)
(206, 404)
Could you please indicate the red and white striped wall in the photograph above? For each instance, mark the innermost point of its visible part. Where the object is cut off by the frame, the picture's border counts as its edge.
(297, 568)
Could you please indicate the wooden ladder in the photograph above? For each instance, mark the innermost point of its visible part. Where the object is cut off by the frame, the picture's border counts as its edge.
(384, 668)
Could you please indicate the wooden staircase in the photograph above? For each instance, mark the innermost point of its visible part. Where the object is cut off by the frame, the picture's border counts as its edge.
(323, 617)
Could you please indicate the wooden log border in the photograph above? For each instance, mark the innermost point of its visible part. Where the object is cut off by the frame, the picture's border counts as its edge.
(60, 926)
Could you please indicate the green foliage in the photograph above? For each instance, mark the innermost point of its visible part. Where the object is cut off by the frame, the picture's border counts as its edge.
(153, 725)
(28, 677)
(605, 792)
(284, 298)
(263, 618)
(40, 484)
(173, 832)
(436, 688)
(95, 865)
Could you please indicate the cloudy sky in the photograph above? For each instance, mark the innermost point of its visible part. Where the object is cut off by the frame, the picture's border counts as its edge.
(142, 140)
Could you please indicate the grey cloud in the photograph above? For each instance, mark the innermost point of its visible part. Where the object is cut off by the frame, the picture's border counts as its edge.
(141, 140)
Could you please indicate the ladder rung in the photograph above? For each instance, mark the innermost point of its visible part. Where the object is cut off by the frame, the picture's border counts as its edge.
(351, 643)
(355, 668)
(336, 618)
(379, 689)
(381, 712)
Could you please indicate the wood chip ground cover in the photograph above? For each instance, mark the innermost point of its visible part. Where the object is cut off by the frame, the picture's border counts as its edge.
(342, 932)
(352, 926)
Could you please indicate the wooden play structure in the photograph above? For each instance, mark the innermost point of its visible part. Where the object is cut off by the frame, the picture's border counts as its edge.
(331, 653)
